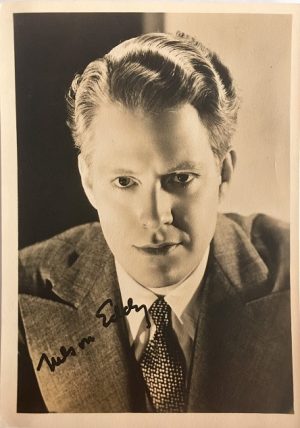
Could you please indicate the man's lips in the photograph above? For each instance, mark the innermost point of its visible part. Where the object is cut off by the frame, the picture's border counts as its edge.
(161, 249)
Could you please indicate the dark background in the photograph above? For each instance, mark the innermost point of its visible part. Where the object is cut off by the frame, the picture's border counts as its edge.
(49, 49)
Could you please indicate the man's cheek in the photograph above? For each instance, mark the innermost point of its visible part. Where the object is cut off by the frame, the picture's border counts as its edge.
(187, 215)
(117, 227)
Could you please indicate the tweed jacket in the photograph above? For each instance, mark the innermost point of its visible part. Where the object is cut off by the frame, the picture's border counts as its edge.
(242, 359)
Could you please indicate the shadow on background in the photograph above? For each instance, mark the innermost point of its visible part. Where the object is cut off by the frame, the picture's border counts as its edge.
(49, 49)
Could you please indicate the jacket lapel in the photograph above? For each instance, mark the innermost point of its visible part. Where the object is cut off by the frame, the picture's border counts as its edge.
(96, 376)
(240, 344)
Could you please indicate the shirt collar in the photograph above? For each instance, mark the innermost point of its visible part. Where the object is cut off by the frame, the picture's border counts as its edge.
(181, 297)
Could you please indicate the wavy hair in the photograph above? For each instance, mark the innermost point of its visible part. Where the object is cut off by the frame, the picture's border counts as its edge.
(153, 72)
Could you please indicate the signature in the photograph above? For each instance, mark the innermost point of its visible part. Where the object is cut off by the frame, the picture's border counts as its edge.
(119, 313)
(54, 362)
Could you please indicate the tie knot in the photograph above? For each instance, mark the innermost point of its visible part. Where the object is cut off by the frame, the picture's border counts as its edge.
(160, 312)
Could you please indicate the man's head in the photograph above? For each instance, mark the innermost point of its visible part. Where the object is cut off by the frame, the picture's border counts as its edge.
(153, 120)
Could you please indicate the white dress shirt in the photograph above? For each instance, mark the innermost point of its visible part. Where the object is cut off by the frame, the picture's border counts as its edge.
(183, 299)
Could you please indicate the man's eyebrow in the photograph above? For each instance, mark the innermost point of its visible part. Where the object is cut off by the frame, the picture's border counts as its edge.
(186, 165)
(123, 171)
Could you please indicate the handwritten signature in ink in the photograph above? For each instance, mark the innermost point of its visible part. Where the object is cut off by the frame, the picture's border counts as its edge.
(54, 362)
(119, 313)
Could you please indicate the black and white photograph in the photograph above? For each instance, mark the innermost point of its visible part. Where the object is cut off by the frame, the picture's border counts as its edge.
(154, 194)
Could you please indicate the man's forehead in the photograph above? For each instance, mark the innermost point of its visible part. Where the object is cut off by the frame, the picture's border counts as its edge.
(114, 116)
(106, 109)
(125, 136)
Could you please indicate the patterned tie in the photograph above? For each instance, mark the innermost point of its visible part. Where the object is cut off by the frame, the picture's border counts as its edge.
(163, 363)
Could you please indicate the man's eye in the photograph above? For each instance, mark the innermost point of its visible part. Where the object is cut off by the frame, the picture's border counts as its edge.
(124, 182)
(183, 178)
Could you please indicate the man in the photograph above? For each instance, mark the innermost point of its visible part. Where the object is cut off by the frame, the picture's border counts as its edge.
(165, 305)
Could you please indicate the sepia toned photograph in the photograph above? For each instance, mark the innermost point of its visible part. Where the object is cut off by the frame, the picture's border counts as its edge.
(168, 305)
(154, 210)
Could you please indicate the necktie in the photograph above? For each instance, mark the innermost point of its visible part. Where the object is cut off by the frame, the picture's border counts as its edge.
(163, 364)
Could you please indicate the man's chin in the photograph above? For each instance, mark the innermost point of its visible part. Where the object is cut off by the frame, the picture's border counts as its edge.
(159, 279)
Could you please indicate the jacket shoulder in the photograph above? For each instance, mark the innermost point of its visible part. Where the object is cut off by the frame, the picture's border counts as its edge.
(262, 225)
(36, 260)
(270, 239)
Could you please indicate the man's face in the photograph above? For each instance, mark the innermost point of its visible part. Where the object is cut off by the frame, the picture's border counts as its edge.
(155, 184)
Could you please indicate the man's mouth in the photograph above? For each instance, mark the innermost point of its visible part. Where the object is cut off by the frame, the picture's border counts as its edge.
(160, 249)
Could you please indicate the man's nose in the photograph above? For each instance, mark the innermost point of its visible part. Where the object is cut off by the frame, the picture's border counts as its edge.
(156, 208)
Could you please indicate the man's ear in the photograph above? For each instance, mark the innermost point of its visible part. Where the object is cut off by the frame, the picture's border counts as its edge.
(86, 179)
(226, 172)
